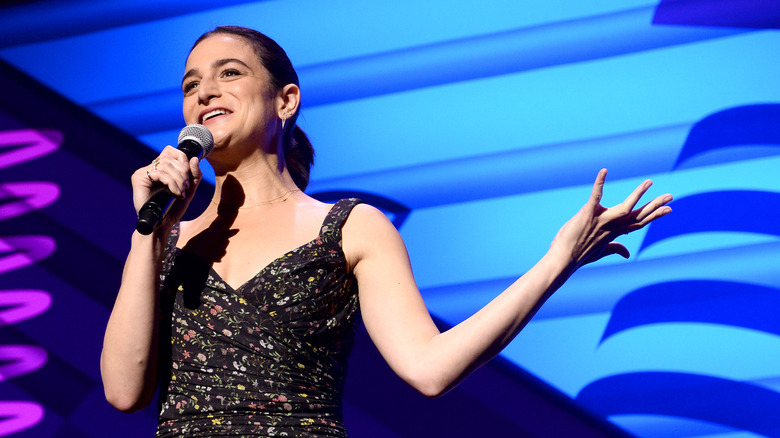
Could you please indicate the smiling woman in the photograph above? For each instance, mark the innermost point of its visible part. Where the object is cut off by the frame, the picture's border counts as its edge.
(244, 317)
(257, 57)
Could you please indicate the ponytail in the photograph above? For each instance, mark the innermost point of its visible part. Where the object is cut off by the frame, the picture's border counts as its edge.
(298, 156)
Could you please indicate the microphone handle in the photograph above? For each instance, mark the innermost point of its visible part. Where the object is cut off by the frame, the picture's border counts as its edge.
(154, 209)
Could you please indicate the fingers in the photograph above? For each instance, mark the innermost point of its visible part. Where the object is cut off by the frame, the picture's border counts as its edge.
(656, 212)
(654, 207)
(608, 250)
(637, 194)
(195, 171)
(616, 248)
(645, 214)
(598, 189)
(195, 175)
(172, 169)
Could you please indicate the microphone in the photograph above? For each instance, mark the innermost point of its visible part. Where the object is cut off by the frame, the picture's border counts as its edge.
(195, 141)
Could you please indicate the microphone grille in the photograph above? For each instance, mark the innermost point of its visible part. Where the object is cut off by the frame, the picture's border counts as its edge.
(199, 134)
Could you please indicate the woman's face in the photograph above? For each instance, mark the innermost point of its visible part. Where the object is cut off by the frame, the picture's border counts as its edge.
(227, 89)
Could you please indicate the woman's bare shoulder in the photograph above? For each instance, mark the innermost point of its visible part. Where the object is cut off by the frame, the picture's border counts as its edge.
(365, 217)
(367, 231)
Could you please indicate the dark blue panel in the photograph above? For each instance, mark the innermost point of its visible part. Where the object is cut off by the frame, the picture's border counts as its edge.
(734, 404)
(738, 210)
(717, 302)
(747, 125)
(760, 14)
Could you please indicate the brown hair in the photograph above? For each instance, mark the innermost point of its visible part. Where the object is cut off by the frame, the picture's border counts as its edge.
(298, 151)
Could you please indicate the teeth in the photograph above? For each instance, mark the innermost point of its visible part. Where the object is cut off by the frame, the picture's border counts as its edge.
(216, 112)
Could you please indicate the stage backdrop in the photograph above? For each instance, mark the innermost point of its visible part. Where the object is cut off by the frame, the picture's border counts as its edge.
(479, 127)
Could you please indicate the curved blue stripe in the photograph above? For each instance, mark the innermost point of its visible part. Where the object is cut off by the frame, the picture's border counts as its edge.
(497, 174)
(757, 14)
(734, 404)
(735, 210)
(41, 21)
(387, 205)
(446, 62)
(717, 302)
(746, 125)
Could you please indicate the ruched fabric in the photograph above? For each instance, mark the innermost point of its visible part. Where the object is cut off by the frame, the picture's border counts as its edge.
(267, 359)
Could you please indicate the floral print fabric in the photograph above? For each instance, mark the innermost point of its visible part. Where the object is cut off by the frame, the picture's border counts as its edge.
(266, 359)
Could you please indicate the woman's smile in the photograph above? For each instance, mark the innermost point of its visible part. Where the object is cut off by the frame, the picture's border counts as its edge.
(210, 114)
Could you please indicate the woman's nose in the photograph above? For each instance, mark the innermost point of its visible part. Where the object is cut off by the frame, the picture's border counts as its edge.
(207, 90)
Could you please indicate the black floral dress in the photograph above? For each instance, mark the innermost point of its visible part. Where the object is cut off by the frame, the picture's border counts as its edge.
(266, 359)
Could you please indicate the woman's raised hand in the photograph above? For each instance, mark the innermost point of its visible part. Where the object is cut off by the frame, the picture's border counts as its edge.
(589, 235)
(172, 169)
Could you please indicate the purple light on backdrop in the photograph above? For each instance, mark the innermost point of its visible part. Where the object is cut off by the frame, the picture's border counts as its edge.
(18, 360)
(22, 304)
(18, 416)
(20, 198)
(24, 251)
(16, 199)
(27, 144)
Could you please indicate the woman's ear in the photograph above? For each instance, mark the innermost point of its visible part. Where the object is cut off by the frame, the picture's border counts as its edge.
(288, 100)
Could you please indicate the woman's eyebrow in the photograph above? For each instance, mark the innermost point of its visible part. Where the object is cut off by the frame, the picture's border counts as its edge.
(215, 64)
(221, 62)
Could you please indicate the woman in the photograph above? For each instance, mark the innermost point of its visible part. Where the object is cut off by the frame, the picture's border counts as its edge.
(253, 336)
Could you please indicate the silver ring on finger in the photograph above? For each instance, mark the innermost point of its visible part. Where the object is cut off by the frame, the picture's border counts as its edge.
(149, 176)
(155, 162)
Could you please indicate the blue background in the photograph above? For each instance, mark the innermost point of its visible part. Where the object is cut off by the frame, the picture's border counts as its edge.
(480, 126)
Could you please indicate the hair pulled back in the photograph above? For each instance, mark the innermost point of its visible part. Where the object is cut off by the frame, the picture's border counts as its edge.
(298, 151)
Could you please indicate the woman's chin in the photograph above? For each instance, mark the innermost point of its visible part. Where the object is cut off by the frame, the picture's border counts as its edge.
(221, 140)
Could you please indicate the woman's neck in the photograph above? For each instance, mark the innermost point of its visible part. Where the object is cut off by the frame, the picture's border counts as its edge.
(256, 181)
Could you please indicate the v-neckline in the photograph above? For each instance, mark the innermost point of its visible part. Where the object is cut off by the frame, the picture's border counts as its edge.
(284, 255)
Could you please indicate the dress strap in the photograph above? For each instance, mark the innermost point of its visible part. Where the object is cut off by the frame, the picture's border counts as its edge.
(173, 237)
(336, 217)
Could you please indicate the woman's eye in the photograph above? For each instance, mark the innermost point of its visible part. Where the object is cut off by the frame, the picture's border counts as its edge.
(230, 73)
(189, 86)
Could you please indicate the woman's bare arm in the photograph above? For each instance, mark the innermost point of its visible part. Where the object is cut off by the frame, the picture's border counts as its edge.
(400, 325)
(128, 363)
